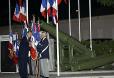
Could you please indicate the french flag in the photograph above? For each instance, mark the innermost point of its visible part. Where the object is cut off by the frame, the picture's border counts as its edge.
(33, 50)
(43, 8)
(24, 29)
(16, 45)
(54, 12)
(35, 30)
(16, 13)
(22, 15)
(10, 43)
(16, 50)
(38, 32)
(49, 5)
(48, 8)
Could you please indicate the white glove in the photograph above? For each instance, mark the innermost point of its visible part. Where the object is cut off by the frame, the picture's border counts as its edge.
(40, 55)
(36, 43)
(29, 54)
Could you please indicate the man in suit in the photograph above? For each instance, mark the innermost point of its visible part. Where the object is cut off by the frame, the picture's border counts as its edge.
(23, 55)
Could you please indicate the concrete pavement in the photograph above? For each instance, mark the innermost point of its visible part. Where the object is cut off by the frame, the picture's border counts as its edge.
(82, 74)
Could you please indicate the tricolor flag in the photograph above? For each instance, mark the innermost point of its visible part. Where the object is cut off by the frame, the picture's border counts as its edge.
(11, 46)
(10, 43)
(16, 50)
(35, 38)
(43, 8)
(38, 32)
(49, 5)
(16, 46)
(25, 29)
(33, 50)
(35, 31)
(22, 16)
(16, 13)
(54, 12)
(48, 8)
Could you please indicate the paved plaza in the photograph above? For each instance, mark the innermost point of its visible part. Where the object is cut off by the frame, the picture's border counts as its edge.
(87, 74)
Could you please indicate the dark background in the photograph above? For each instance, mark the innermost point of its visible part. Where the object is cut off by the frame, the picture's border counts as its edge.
(34, 8)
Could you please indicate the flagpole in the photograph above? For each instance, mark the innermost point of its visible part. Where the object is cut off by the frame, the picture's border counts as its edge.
(10, 30)
(47, 13)
(27, 10)
(70, 33)
(90, 24)
(79, 19)
(47, 18)
(57, 33)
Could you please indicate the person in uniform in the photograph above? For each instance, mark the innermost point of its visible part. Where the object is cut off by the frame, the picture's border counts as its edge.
(23, 55)
(43, 49)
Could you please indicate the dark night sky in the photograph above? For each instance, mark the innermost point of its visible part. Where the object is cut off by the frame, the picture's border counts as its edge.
(34, 8)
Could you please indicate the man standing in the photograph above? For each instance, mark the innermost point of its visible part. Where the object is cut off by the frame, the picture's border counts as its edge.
(43, 49)
(23, 55)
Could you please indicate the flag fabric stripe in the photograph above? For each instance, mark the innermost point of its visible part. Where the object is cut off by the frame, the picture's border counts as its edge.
(35, 38)
(16, 13)
(54, 12)
(16, 45)
(38, 32)
(43, 8)
(22, 16)
(20, 13)
(48, 8)
(10, 43)
(24, 30)
(54, 7)
(51, 9)
(16, 50)
(11, 47)
(33, 50)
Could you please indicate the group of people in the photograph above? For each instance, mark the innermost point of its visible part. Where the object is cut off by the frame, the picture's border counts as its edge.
(42, 48)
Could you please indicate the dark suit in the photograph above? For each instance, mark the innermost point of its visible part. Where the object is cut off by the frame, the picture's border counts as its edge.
(23, 57)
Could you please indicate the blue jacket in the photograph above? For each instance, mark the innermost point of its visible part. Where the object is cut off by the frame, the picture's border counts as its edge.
(43, 45)
(23, 49)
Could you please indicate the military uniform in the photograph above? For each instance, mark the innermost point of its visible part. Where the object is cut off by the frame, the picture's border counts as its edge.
(43, 49)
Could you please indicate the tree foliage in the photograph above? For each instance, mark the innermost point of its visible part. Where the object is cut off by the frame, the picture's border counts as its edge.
(82, 56)
(106, 2)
